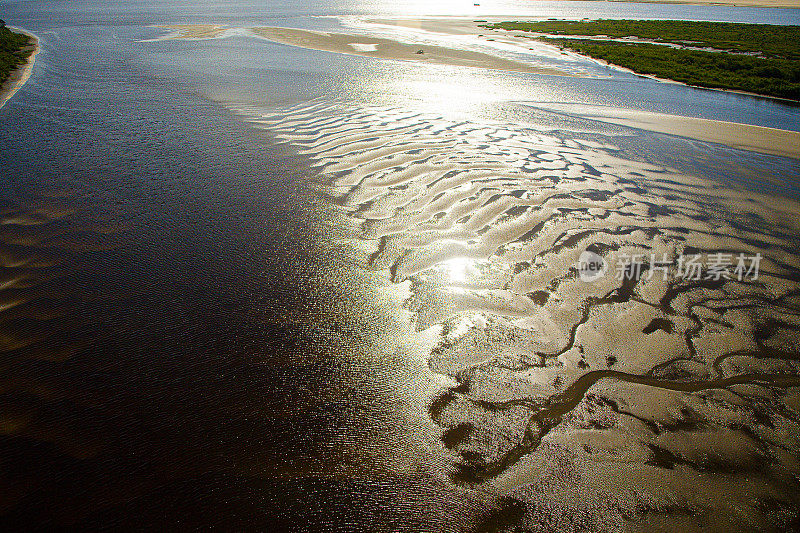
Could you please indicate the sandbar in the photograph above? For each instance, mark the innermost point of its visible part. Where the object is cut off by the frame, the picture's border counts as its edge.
(381, 48)
(743, 136)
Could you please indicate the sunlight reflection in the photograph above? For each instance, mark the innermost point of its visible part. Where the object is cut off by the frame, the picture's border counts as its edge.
(449, 90)
(461, 269)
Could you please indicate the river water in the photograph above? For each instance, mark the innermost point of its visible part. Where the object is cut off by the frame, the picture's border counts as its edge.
(188, 338)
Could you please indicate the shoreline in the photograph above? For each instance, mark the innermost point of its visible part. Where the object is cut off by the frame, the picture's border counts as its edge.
(604, 63)
(716, 3)
(667, 80)
(20, 76)
(461, 26)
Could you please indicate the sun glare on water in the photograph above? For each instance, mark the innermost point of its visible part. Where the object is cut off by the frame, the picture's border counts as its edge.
(460, 269)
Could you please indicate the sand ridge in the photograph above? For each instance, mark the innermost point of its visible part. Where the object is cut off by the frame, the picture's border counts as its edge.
(365, 46)
(392, 49)
(736, 135)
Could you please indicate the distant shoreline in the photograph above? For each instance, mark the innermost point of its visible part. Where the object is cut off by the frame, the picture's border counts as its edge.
(718, 3)
(18, 77)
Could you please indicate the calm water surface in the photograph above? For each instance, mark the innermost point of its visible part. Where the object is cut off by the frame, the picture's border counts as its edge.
(183, 342)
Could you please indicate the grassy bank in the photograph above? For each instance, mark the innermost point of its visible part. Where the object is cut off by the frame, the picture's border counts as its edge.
(782, 42)
(772, 77)
(758, 58)
(14, 51)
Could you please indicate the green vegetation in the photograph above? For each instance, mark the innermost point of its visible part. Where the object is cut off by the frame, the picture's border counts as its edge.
(781, 42)
(773, 77)
(758, 58)
(13, 51)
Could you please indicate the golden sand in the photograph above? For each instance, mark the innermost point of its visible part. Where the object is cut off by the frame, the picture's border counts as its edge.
(744, 136)
(396, 50)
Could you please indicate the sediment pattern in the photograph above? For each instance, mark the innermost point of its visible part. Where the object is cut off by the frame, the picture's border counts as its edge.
(49, 313)
(653, 396)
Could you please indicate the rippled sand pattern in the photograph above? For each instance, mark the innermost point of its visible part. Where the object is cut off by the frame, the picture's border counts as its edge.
(664, 402)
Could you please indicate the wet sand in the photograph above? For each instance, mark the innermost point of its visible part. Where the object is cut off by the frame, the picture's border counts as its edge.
(355, 44)
(18, 78)
(614, 403)
(743, 136)
(396, 50)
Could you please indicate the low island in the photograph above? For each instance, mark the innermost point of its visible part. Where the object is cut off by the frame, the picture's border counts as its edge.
(755, 58)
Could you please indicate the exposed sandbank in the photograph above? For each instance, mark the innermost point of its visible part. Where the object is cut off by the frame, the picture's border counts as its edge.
(362, 45)
(744, 136)
(464, 27)
(18, 78)
(395, 50)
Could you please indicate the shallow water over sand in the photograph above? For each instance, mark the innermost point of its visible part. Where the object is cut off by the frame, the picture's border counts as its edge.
(484, 224)
(254, 286)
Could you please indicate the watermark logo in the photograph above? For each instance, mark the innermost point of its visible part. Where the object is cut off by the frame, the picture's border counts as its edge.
(693, 267)
(591, 266)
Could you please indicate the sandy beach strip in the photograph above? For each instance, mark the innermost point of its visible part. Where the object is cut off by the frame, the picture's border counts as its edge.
(395, 50)
(18, 78)
(742, 136)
